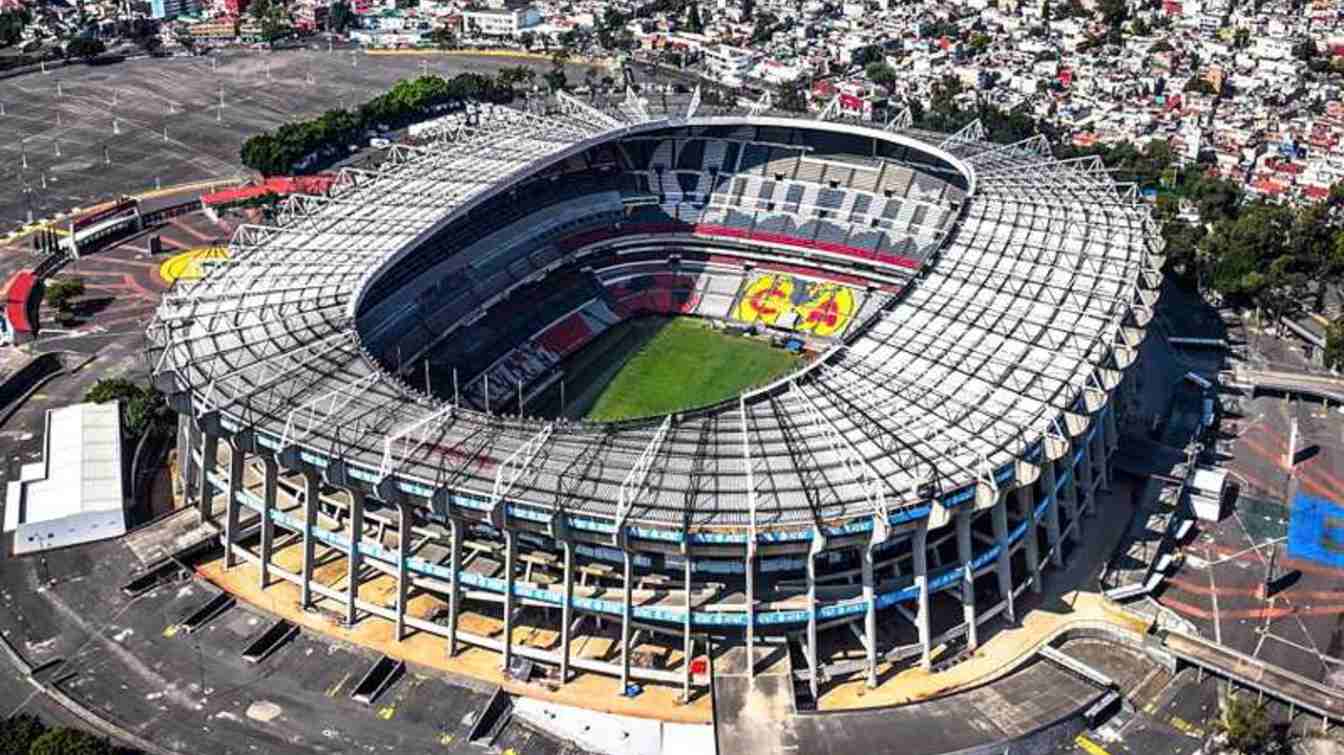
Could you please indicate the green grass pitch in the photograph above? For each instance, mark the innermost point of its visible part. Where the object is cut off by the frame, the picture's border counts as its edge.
(670, 364)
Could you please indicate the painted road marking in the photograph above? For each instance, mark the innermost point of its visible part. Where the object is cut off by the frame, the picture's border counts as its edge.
(336, 688)
(192, 264)
(1088, 746)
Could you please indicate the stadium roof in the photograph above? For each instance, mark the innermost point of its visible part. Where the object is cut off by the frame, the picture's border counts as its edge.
(1024, 323)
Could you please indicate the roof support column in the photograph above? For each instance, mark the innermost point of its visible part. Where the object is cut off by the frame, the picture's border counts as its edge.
(964, 556)
(1026, 510)
(1112, 430)
(1101, 457)
(455, 590)
(688, 646)
(920, 545)
(231, 512)
(628, 587)
(566, 611)
(870, 612)
(404, 519)
(1080, 490)
(269, 482)
(209, 463)
(1052, 514)
(186, 446)
(510, 564)
(818, 545)
(354, 559)
(311, 493)
(1003, 567)
(751, 608)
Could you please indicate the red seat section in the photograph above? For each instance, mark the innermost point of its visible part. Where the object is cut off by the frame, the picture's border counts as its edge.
(566, 336)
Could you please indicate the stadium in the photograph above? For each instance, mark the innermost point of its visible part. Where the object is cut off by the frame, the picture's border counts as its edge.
(375, 376)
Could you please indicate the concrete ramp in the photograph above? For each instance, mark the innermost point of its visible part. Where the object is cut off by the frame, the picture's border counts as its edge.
(754, 715)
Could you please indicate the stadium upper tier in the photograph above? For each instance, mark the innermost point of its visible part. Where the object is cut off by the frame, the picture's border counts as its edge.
(1014, 288)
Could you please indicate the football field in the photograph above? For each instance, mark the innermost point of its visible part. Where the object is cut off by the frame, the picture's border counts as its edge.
(657, 365)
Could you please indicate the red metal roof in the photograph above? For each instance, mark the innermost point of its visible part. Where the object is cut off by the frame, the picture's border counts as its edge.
(17, 293)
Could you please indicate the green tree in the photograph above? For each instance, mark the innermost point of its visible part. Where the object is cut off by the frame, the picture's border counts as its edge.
(12, 23)
(18, 732)
(866, 56)
(979, 43)
(694, 23)
(1113, 12)
(66, 741)
(339, 16)
(143, 409)
(556, 79)
(1334, 346)
(880, 73)
(793, 95)
(527, 38)
(84, 47)
(1244, 727)
(61, 292)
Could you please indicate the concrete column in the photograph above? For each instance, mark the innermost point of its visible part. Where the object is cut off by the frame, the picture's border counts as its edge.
(205, 490)
(1101, 458)
(510, 558)
(354, 559)
(964, 555)
(812, 615)
(1112, 431)
(311, 492)
(269, 482)
(628, 585)
(1081, 482)
(751, 610)
(688, 646)
(1026, 509)
(870, 613)
(1052, 514)
(186, 466)
(231, 506)
(566, 610)
(1003, 566)
(404, 520)
(455, 591)
(919, 545)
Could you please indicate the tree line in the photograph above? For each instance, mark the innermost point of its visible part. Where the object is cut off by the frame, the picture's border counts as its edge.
(24, 734)
(305, 146)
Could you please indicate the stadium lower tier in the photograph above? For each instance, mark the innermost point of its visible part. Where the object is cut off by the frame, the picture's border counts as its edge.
(852, 596)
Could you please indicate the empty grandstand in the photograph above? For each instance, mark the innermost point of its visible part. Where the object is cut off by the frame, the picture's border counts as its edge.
(972, 310)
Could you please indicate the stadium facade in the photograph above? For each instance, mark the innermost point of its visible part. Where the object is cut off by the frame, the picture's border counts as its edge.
(972, 309)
